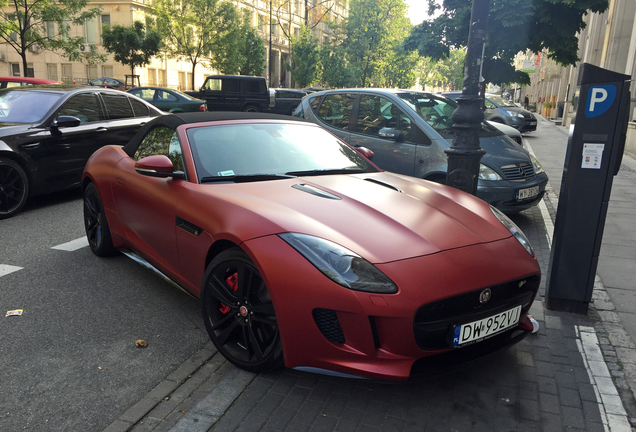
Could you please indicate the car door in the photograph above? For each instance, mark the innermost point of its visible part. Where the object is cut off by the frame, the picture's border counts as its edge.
(62, 155)
(146, 205)
(165, 100)
(122, 122)
(374, 114)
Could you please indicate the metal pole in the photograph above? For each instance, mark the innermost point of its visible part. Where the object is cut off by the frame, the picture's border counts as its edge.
(465, 154)
(269, 62)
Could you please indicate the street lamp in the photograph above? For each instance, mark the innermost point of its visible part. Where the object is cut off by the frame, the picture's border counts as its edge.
(464, 155)
(269, 62)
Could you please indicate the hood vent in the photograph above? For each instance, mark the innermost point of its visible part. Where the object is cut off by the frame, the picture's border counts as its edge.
(387, 185)
(315, 191)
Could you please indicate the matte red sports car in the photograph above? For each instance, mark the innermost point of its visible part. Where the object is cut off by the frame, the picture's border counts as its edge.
(304, 253)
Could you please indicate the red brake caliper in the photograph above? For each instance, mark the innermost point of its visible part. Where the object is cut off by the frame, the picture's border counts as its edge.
(232, 281)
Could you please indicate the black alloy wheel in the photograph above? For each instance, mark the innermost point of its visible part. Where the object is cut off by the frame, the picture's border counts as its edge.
(96, 225)
(14, 188)
(238, 313)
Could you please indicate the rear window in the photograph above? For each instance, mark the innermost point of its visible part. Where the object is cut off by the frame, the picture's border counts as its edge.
(117, 106)
(140, 109)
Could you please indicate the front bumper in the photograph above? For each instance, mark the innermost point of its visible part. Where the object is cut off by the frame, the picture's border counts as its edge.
(503, 194)
(326, 326)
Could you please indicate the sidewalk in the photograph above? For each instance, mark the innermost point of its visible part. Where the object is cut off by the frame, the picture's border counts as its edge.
(578, 373)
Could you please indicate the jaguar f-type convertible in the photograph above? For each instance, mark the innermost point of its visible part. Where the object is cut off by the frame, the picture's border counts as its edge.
(304, 253)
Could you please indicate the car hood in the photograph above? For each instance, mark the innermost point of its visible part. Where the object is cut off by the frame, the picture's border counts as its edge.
(501, 151)
(517, 110)
(8, 129)
(381, 216)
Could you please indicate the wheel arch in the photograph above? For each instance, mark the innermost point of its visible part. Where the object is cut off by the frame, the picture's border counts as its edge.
(20, 161)
(216, 248)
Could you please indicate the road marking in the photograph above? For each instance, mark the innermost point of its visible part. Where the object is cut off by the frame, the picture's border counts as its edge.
(72, 245)
(5, 269)
(610, 405)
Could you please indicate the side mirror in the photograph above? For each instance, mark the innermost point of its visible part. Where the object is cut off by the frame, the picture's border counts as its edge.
(65, 121)
(367, 153)
(158, 166)
(390, 133)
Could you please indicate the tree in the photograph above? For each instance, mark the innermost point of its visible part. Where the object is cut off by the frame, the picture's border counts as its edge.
(199, 31)
(305, 55)
(513, 26)
(372, 29)
(133, 45)
(252, 49)
(447, 72)
(46, 24)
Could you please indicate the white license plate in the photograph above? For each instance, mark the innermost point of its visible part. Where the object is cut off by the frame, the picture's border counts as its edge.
(486, 327)
(527, 193)
(532, 123)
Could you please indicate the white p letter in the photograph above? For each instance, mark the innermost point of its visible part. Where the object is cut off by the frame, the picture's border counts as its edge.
(598, 95)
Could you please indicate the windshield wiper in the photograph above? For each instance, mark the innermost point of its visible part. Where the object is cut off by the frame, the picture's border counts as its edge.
(243, 178)
(318, 172)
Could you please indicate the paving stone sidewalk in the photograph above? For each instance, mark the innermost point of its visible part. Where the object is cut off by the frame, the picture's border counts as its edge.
(570, 376)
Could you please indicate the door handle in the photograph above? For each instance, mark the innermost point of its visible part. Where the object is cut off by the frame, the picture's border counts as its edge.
(101, 129)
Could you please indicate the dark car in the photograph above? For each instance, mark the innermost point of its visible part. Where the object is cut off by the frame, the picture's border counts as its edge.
(501, 110)
(304, 253)
(48, 133)
(409, 130)
(109, 83)
(236, 93)
(24, 81)
(169, 100)
(287, 100)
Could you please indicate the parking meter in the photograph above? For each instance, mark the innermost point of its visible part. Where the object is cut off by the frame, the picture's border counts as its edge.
(593, 158)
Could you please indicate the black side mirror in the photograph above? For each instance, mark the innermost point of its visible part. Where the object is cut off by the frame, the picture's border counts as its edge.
(65, 121)
(390, 133)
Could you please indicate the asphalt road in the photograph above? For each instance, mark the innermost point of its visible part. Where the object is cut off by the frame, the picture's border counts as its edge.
(69, 362)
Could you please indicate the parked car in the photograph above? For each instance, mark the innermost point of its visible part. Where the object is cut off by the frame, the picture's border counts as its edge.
(6, 82)
(314, 89)
(169, 100)
(409, 130)
(509, 131)
(47, 135)
(111, 83)
(287, 100)
(304, 253)
(236, 93)
(501, 110)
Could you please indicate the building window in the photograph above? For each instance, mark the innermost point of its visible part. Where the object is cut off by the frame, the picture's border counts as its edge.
(50, 30)
(90, 31)
(30, 72)
(163, 77)
(189, 81)
(261, 24)
(152, 77)
(107, 71)
(67, 74)
(15, 69)
(105, 20)
(51, 71)
(91, 72)
(182, 81)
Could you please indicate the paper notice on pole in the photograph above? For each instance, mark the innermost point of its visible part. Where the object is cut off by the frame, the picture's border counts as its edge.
(592, 156)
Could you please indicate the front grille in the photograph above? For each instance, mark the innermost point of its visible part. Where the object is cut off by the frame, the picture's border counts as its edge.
(520, 171)
(433, 323)
(328, 324)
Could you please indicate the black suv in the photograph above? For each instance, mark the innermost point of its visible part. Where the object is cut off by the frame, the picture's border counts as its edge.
(236, 93)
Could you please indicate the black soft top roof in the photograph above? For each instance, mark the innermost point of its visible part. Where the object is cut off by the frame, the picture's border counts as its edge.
(173, 121)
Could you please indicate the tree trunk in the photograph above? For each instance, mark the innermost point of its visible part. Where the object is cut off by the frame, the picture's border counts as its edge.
(194, 65)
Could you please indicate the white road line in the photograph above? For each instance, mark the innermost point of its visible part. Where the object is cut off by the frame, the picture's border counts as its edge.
(547, 219)
(72, 245)
(613, 413)
(5, 269)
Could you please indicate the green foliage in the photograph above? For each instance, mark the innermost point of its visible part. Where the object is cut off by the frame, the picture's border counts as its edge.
(133, 45)
(372, 30)
(252, 50)
(200, 31)
(513, 26)
(305, 55)
(397, 70)
(446, 72)
(27, 20)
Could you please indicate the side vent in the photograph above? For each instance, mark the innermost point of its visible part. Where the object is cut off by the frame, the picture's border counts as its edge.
(374, 332)
(328, 324)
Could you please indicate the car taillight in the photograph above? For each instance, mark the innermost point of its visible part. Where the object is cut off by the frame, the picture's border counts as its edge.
(203, 107)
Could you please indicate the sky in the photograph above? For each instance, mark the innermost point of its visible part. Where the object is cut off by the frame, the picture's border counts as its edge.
(417, 10)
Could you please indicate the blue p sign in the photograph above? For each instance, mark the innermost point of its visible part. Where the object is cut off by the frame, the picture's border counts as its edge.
(599, 99)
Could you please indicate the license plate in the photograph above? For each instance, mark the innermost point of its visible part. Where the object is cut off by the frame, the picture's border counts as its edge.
(486, 327)
(532, 123)
(527, 193)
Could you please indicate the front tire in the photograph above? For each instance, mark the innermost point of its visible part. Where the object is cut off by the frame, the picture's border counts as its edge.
(97, 230)
(14, 188)
(251, 108)
(238, 313)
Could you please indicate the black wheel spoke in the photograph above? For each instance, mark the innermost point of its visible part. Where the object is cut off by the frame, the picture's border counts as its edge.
(221, 292)
(263, 309)
(244, 281)
(252, 343)
(223, 336)
(223, 321)
(267, 320)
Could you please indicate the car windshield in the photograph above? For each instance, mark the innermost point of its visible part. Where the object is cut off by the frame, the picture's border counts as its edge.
(19, 106)
(436, 111)
(501, 101)
(266, 151)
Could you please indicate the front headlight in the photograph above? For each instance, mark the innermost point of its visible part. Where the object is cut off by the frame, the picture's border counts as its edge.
(340, 264)
(487, 173)
(538, 168)
(514, 229)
